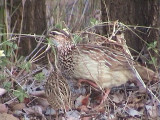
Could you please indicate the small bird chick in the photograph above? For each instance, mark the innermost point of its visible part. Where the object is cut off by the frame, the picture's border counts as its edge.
(58, 92)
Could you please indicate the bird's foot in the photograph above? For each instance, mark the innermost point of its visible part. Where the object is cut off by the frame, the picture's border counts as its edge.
(93, 84)
(100, 106)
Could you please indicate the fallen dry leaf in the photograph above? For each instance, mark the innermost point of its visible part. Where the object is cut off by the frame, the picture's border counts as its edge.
(50, 111)
(5, 116)
(19, 106)
(81, 100)
(117, 98)
(3, 108)
(37, 93)
(152, 111)
(43, 102)
(37, 110)
(73, 115)
(2, 91)
(133, 112)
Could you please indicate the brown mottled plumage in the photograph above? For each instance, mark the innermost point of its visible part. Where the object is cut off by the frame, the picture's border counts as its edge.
(106, 67)
(57, 92)
(101, 66)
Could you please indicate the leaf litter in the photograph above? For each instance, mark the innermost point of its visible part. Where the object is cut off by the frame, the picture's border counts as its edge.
(23, 97)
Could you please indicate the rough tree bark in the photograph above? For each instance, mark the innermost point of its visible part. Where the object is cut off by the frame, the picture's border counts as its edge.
(28, 17)
(136, 13)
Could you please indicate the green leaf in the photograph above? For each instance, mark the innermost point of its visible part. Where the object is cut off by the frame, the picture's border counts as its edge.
(26, 66)
(152, 45)
(7, 86)
(77, 38)
(20, 94)
(9, 43)
(2, 77)
(59, 26)
(4, 62)
(153, 61)
(39, 76)
(15, 46)
(93, 21)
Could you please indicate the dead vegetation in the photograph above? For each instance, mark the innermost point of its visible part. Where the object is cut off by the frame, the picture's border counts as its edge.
(23, 79)
(23, 89)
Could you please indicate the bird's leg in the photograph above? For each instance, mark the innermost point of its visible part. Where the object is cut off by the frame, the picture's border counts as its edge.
(106, 92)
(100, 106)
(89, 82)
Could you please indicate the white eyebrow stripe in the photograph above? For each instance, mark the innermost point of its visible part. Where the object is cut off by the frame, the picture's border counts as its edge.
(58, 33)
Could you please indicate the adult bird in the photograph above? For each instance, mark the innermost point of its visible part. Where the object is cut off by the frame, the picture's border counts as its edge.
(99, 66)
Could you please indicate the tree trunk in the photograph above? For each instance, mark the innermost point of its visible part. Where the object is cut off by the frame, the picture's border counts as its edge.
(142, 13)
(28, 18)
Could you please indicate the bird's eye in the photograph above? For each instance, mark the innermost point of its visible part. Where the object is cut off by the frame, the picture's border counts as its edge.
(53, 33)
